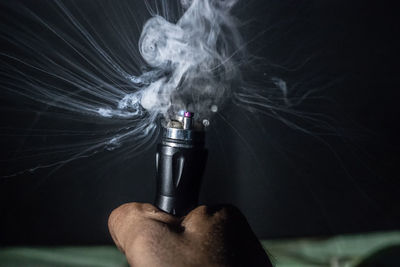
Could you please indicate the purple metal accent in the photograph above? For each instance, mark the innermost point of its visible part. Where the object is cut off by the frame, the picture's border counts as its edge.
(188, 114)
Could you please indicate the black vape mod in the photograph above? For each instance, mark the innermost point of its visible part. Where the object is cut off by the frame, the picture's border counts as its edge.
(180, 163)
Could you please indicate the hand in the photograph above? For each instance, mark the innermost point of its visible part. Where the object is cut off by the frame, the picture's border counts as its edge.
(205, 237)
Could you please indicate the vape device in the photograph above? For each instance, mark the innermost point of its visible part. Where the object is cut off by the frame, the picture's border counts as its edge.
(180, 162)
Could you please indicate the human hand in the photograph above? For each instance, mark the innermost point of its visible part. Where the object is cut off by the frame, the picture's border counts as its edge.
(218, 236)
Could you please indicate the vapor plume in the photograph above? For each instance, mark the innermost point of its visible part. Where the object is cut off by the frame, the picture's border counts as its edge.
(121, 72)
(193, 62)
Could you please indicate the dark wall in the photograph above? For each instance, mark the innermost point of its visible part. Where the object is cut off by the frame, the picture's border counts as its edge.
(286, 181)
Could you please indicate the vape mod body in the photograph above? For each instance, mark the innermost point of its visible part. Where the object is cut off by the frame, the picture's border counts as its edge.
(180, 162)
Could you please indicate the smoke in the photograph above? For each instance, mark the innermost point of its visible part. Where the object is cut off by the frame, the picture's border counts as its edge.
(188, 56)
(177, 60)
(194, 62)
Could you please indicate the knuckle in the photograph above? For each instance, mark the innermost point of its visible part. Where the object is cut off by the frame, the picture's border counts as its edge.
(149, 208)
(120, 213)
(200, 213)
(131, 209)
(196, 219)
(201, 210)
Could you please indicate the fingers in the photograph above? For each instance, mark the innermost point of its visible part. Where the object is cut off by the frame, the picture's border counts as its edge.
(128, 221)
(203, 217)
(207, 236)
(147, 235)
(227, 234)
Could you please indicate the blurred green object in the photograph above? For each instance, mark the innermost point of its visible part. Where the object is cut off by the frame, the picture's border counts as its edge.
(338, 251)
(362, 250)
(94, 256)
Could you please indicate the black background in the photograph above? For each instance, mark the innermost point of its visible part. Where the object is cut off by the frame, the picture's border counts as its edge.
(287, 183)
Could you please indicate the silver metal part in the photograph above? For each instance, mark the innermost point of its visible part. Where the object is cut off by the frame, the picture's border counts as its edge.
(178, 134)
(187, 123)
(173, 144)
(181, 131)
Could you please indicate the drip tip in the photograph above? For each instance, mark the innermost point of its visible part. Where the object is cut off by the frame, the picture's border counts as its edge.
(187, 120)
(188, 114)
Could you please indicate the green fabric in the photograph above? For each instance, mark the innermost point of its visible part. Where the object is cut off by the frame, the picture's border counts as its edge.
(364, 250)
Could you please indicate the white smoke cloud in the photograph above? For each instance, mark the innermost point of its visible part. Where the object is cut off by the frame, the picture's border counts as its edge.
(196, 56)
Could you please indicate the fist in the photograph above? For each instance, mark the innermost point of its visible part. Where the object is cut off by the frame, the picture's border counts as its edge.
(207, 236)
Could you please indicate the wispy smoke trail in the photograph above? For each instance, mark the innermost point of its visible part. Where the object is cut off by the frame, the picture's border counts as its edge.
(189, 64)
(191, 57)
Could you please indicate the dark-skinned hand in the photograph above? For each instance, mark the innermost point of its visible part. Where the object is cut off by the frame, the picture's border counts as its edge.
(218, 236)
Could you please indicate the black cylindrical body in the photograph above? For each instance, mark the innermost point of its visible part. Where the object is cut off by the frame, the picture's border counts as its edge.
(180, 162)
